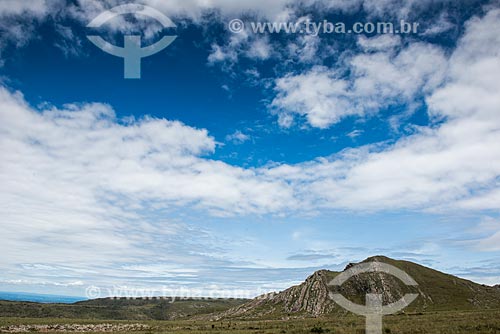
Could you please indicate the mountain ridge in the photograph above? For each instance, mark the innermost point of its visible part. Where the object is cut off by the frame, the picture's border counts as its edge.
(437, 291)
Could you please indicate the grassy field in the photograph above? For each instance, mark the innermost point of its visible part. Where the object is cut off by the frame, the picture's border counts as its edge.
(118, 309)
(427, 323)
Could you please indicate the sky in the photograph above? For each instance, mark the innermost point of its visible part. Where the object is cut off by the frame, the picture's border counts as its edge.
(241, 162)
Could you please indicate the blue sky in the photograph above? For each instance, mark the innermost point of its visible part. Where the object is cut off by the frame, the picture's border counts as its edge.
(240, 163)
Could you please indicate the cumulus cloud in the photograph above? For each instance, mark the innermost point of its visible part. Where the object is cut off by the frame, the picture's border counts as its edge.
(110, 187)
(323, 96)
(244, 44)
(95, 154)
(317, 95)
(454, 164)
(103, 183)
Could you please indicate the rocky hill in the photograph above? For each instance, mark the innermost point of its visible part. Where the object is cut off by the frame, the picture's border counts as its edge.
(436, 290)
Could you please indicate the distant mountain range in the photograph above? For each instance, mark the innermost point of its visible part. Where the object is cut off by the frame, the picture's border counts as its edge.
(437, 292)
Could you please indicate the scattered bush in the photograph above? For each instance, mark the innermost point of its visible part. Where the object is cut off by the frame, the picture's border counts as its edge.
(319, 330)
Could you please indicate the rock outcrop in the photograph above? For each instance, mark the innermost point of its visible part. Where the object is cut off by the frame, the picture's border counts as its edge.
(437, 291)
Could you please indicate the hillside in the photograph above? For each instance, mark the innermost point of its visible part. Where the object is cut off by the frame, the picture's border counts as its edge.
(118, 309)
(437, 291)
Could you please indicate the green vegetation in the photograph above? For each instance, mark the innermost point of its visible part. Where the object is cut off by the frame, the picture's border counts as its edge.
(446, 305)
(455, 322)
(119, 309)
(437, 292)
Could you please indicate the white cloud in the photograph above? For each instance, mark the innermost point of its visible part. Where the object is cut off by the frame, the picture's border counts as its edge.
(452, 165)
(19, 20)
(355, 134)
(24, 7)
(106, 186)
(250, 46)
(396, 8)
(238, 137)
(194, 9)
(83, 150)
(442, 25)
(260, 49)
(377, 80)
(275, 10)
(317, 95)
(305, 48)
(219, 54)
(385, 42)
